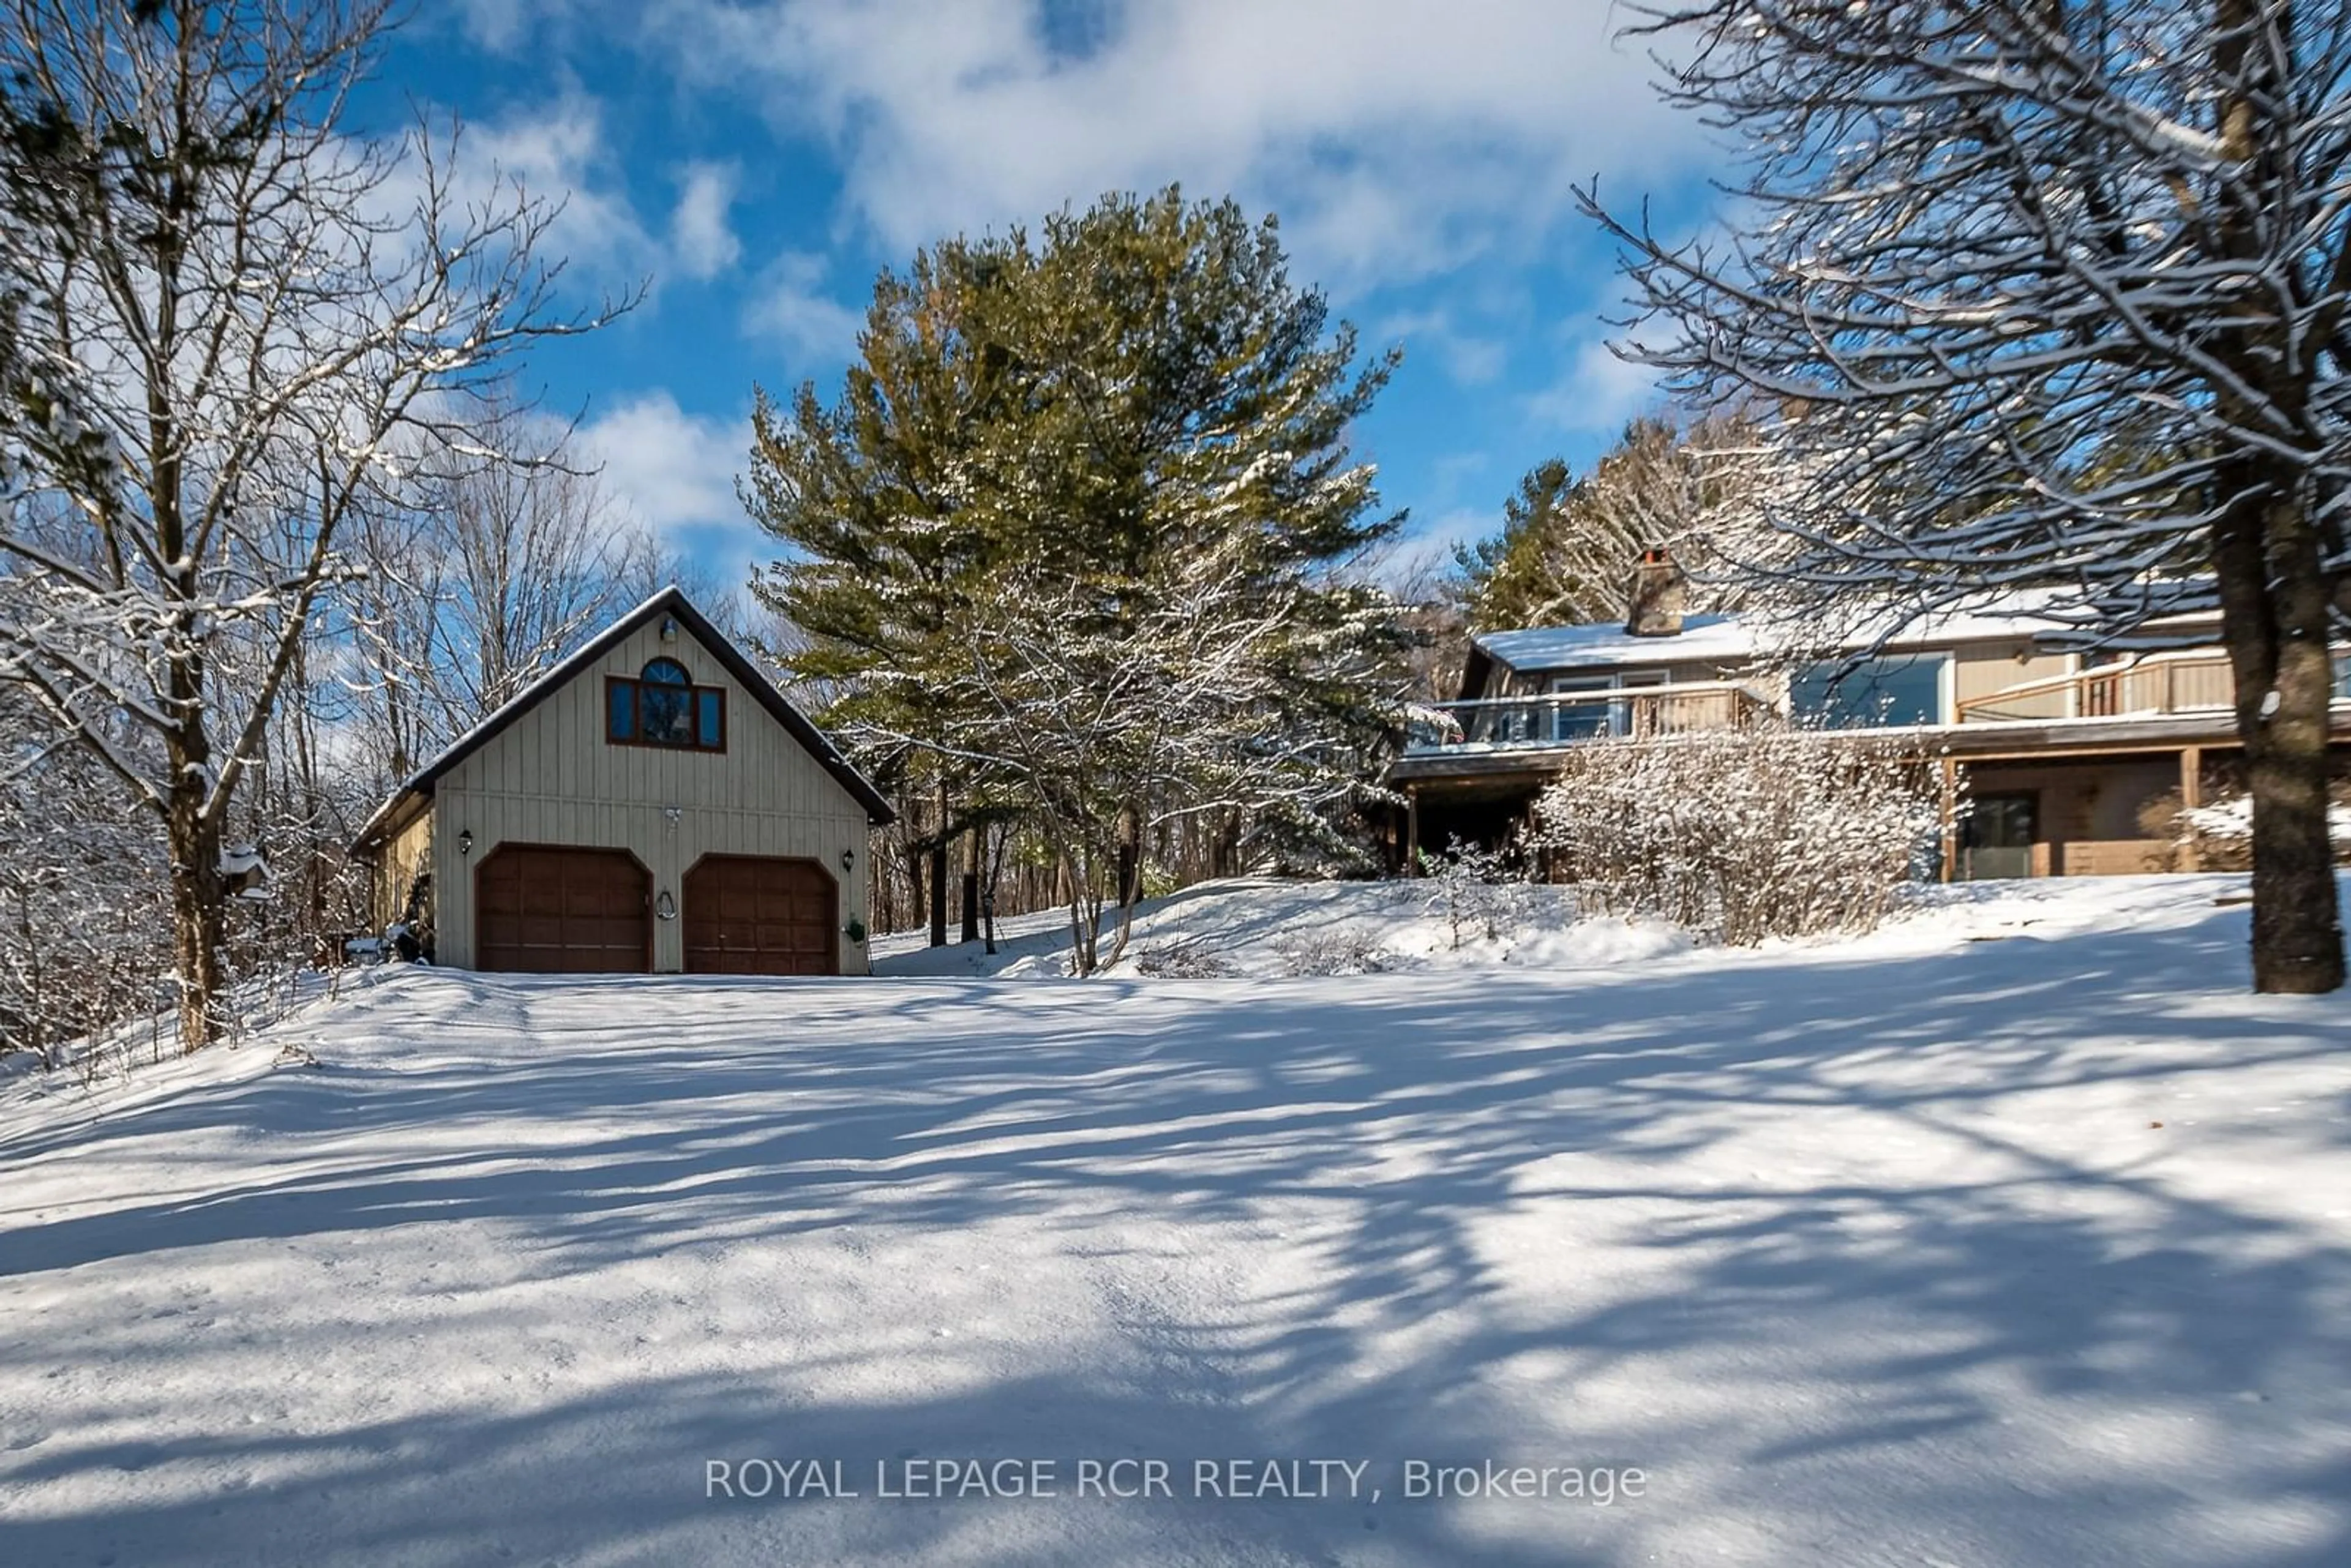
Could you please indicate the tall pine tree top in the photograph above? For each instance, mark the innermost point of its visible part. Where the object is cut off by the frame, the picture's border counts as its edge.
(1132, 389)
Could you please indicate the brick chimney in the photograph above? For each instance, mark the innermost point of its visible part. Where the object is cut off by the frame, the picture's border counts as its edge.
(1659, 595)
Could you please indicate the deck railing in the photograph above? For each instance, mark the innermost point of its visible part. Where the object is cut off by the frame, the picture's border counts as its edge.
(1561, 718)
(2190, 681)
(2161, 684)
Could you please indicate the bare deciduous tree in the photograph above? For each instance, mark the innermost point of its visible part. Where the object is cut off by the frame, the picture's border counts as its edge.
(506, 556)
(2048, 294)
(253, 312)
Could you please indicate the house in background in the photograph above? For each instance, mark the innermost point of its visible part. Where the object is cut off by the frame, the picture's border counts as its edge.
(651, 804)
(2062, 754)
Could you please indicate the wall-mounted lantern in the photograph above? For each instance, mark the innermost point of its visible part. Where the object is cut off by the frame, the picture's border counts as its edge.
(669, 628)
(665, 906)
(466, 841)
(848, 859)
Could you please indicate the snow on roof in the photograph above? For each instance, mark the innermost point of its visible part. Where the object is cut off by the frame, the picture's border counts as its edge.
(1725, 637)
(1735, 639)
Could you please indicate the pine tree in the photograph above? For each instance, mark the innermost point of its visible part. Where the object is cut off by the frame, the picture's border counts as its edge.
(1500, 580)
(1093, 487)
(1568, 544)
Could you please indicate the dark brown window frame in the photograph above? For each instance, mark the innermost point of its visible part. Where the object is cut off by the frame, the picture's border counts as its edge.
(636, 686)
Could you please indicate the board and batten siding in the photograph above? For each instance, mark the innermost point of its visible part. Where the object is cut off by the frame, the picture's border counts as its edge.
(1978, 670)
(552, 778)
(405, 854)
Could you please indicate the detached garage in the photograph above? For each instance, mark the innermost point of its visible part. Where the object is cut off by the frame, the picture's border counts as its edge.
(652, 805)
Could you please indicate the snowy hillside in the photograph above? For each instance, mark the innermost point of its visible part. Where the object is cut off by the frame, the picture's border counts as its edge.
(2015, 1234)
(1292, 929)
(1275, 929)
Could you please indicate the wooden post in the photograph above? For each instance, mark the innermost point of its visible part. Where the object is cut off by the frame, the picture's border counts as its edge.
(2192, 796)
(1411, 831)
(1950, 815)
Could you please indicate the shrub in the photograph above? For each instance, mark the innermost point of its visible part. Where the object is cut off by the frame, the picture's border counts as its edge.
(1341, 951)
(2219, 834)
(1181, 961)
(1741, 835)
(1473, 890)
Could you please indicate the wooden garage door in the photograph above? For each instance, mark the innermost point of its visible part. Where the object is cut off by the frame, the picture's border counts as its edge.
(746, 914)
(558, 910)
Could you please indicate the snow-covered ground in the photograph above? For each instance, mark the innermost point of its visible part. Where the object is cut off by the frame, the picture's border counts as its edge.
(1291, 929)
(2015, 1234)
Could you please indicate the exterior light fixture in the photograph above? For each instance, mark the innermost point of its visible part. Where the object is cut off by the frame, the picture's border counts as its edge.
(848, 859)
(665, 906)
(466, 841)
(669, 628)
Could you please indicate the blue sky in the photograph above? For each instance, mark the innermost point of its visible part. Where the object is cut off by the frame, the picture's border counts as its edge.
(758, 160)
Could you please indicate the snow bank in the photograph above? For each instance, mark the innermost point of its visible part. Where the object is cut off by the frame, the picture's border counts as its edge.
(2014, 1234)
(1265, 928)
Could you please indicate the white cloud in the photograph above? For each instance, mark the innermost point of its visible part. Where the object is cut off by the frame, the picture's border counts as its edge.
(1463, 524)
(1468, 358)
(558, 152)
(1395, 141)
(502, 24)
(702, 239)
(790, 305)
(1597, 394)
(676, 470)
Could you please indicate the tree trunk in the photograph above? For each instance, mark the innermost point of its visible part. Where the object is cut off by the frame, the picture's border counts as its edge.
(971, 887)
(2274, 601)
(193, 836)
(196, 915)
(939, 894)
(939, 872)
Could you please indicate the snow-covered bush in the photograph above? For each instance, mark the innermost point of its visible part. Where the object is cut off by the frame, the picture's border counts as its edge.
(1181, 961)
(1341, 950)
(1476, 892)
(2219, 834)
(85, 926)
(1741, 835)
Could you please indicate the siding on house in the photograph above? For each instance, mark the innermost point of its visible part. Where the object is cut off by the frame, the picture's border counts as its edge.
(405, 854)
(552, 778)
(1980, 669)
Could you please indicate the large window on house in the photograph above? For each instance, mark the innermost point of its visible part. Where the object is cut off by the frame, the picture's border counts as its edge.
(662, 706)
(1586, 720)
(1906, 689)
(1579, 721)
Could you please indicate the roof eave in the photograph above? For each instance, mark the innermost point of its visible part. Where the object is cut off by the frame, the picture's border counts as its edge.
(671, 601)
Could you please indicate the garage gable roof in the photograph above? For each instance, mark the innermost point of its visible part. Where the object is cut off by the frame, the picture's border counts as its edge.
(671, 601)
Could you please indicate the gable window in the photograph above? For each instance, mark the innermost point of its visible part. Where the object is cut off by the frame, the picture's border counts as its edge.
(1898, 690)
(662, 706)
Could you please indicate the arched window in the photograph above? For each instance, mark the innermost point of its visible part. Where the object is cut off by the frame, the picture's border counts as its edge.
(662, 706)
